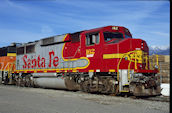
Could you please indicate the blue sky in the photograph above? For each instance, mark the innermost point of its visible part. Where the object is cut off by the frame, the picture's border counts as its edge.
(30, 20)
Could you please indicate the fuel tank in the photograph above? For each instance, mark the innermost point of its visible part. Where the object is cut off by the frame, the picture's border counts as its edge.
(49, 80)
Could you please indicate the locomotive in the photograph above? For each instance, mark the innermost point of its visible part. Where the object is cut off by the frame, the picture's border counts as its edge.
(7, 63)
(103, 60)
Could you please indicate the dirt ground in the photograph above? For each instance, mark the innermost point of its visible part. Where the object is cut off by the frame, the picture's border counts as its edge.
(15, 99)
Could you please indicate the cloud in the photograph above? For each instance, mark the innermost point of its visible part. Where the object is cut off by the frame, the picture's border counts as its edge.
(9, 36)
(165, 35)
(144, 19)
(14, 5)
(45, 29)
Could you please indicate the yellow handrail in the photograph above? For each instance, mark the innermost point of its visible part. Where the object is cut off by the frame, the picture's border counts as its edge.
(10, 69)
(134, 52)
(146, 58)
(153, 61)
(135, 62)
(118, 67)
(134, 57)
(129, 68)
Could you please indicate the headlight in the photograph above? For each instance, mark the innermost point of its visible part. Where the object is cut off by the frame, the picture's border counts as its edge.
(140, 65)
(156, 67)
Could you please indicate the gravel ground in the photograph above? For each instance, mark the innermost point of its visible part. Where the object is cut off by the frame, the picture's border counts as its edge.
(15, 99)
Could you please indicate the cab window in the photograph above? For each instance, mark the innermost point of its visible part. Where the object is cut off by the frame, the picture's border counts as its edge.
(112, 35)
(127, 36)
(75, 37)
(92, 39)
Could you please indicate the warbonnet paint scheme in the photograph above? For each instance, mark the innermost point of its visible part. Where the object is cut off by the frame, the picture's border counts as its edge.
(102, 60)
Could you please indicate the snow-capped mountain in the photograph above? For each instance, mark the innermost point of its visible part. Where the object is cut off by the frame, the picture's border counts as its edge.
(160, 50)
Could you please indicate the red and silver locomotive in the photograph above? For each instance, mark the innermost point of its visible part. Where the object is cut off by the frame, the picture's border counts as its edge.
(103, 60)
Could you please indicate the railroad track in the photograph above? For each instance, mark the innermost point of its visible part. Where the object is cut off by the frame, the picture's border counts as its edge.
(159, 98)
(156, 98)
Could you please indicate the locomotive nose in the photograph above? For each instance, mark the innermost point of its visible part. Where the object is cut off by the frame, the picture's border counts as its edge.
(144, 46)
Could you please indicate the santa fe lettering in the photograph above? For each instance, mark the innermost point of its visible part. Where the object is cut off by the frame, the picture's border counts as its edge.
(40, 61)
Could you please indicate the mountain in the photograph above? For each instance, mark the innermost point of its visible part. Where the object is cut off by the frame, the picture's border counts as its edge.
(160, 50)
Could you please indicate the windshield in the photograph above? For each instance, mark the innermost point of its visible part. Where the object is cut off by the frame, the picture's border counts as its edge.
(127, 36)
(112, 35)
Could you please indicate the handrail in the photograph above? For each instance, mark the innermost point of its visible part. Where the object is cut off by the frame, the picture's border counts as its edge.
(129, 68)
(118, 66)
(11, 69)
(153, 61)
(6, 66)
(150, 66)
(135, 61)
(128, 65)
(146, 61)
(2, 65)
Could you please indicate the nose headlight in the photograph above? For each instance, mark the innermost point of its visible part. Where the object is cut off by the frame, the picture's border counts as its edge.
(156, 66)
(140, 66)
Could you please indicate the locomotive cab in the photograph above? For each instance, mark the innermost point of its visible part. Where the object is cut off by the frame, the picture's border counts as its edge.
(97, 44)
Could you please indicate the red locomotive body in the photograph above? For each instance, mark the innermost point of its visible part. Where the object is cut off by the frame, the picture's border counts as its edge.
(105, 60)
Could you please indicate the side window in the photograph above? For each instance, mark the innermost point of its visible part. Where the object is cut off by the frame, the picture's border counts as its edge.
(3, 51)
(11, 49)
(92, 39)
(30, 48)
(127, 36)
(75, 37)
(20, 50)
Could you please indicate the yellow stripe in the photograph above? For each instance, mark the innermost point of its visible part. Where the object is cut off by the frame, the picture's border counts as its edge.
(124, 91)
(111, 70)
(91, 70)
(57, 71)
(110, 56)
(74, 70)
(11, 54)
(135, 55)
